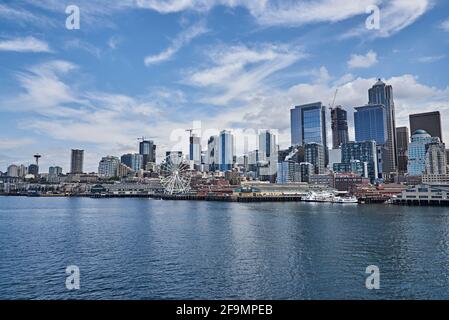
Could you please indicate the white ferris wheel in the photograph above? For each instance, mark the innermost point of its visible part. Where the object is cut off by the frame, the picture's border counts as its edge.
(175, 175)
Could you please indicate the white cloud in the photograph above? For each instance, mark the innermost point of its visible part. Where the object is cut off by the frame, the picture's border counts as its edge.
(181, 40)
(445, 25)
(430, 59)
(395, 15)
(239, 72)
(27, 44)
(12, 143)
(363, 61)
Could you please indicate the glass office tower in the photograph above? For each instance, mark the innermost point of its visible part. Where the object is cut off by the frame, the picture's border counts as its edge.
(382, 94)
(308, 125)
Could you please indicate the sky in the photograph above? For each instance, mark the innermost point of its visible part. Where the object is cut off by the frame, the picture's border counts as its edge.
(155, 68)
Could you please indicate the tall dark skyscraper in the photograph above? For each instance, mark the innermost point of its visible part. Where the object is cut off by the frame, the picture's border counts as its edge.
(429, 122)
(147, 148)
(382, 94)
(339, 118)
(403, 138)
(77, 160)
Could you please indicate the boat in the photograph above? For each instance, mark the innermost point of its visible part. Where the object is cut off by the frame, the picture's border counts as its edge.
(318, 197)
(345, 200)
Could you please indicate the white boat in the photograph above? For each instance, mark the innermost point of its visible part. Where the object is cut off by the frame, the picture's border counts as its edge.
(319, 197)
(345, 200)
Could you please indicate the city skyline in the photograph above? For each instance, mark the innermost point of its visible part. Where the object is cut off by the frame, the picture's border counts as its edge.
(100, 87)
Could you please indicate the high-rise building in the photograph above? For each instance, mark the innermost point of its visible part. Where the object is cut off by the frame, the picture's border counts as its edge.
(226, 149)
(34, 170)
(417, 152)
(402, 137)
(55, 171)
(382, 94)
(314, 153)
(429, 122)
(370, 123)
(108, 167)
(174, 157)
(268, 153)
(195, 149)
(13, 171)
(212, 153)
(23, 171)
(308, 124)
(77, 161)
(339, 117)
(288, 172)
(436, 162)
(307, 170)
(353, 167)
(363, 151)
(147, 149)
(133, 161)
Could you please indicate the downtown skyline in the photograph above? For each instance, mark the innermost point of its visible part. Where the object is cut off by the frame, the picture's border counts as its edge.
(101, 87)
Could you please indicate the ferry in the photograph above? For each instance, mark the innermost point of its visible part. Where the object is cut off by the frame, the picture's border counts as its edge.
(345, 200)
(329, 198)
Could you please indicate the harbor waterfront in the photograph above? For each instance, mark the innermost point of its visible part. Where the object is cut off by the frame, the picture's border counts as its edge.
(155, 249)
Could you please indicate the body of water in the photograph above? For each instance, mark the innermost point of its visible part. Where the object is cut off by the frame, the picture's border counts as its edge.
(154, 249)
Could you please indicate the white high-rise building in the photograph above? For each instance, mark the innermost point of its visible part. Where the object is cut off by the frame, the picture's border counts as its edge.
(13, 171)
(108, 167)
(268, 156)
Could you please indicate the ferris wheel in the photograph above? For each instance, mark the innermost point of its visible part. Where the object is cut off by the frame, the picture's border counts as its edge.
(175, 175)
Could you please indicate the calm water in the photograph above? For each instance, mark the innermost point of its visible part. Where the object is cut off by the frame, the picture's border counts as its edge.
(150, 249)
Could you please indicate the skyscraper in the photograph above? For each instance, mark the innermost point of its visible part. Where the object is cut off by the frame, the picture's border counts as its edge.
(226, 150)
(13, 171)
(212, 153)
(370, 124)
(436, 162)
(314, 154)
(402, 136)
(269, 153)
(382, 94)
(77, 160)
(417, 152)
(429, 122)
(308, 124)
(133, 161)
(195, 149)
(339, 117)
(55, 171)
(364, 151)
(147, 149)
(108, 167)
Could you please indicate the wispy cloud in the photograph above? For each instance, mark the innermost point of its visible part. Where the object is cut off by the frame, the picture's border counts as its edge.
(27, 44)
(239, 72)
(23, 17)
(445, 25)
(183, 39)
(363, 61)
(430, 59)
(83, 45)
(395, 15)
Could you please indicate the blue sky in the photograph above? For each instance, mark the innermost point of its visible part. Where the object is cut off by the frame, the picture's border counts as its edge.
(154, 68)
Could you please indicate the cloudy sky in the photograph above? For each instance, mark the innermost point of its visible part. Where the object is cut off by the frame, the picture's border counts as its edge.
(157, 67)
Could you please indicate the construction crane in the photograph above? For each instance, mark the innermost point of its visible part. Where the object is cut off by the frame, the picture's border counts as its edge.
(191, 130)
(145, 138)
(333, 101)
